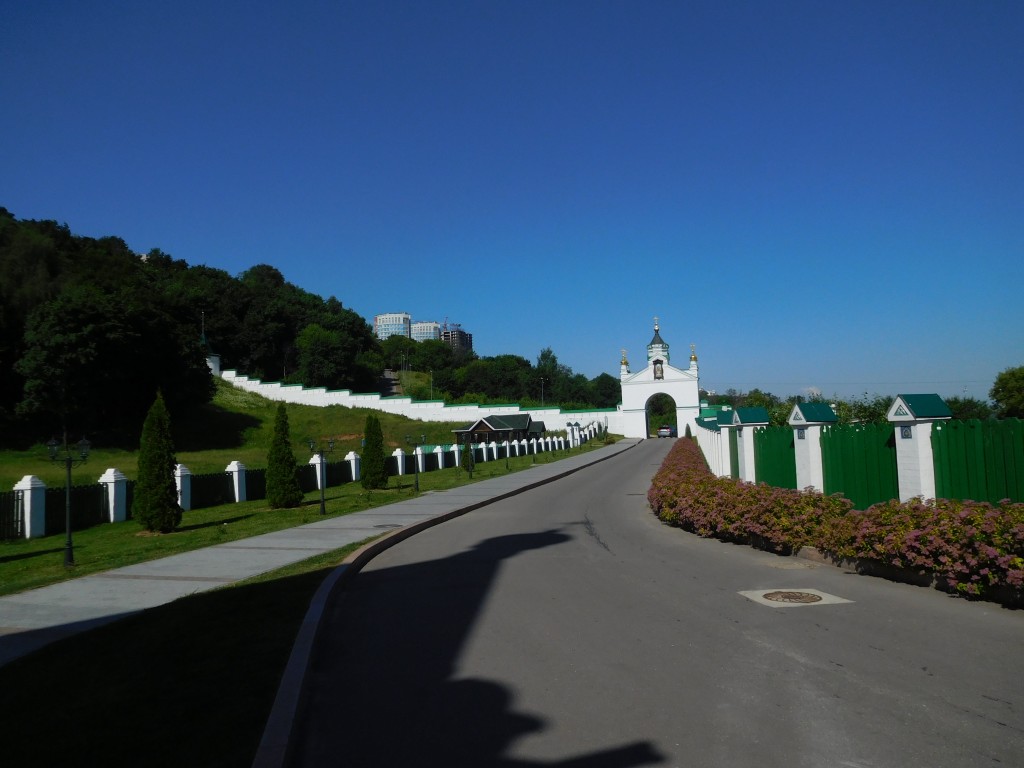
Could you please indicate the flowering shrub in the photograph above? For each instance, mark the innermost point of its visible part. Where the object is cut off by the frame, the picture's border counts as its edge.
(684, 492)
(973, 547)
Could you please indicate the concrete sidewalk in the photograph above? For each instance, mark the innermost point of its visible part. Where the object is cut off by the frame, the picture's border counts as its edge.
(29, 620)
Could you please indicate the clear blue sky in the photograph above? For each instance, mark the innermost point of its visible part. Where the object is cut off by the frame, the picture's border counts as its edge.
(816, 194)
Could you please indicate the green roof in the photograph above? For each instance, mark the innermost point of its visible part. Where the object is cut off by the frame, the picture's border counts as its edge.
(926, 406)
(755, 415)
(817, 412)
(513, 422)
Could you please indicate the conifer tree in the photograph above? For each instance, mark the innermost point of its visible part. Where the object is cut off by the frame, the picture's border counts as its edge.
(283, 489)
(374, 474)
(155, 504)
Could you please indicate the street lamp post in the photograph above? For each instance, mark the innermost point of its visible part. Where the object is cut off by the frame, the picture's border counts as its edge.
(318, 449)
(415, 461)
(69, 461)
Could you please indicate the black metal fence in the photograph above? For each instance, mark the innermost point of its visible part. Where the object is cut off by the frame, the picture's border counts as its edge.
(255, 484)
(12, 515)
(212, 490)
(87, 508)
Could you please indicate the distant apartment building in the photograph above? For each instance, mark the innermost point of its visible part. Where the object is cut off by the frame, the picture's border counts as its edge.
(392, 324)
(401, 324)
(424, 331)
(456, 338)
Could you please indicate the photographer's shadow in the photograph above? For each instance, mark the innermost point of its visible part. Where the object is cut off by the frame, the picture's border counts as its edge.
(381, 690)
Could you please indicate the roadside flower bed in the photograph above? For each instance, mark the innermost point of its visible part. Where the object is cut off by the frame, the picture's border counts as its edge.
(973, 548)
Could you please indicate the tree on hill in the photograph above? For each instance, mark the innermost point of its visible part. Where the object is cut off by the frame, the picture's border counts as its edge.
(373, 469)
(1007, 393)
(155, 504)
(969, 408)
(283, 489)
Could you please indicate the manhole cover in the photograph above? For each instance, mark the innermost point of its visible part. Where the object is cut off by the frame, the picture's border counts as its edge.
(792, 597)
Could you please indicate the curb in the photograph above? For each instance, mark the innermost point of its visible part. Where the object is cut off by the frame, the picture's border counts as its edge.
(273, 750)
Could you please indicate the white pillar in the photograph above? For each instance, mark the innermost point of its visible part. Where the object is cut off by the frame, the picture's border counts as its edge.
(237, 471)
(117, 494)
(439, 452)
(354, 461)
(399, 455)
(419, 458)
(33, 492)
(915, 462)
(745, 448)
(807, 451)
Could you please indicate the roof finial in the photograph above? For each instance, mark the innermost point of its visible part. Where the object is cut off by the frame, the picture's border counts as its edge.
(656, 322)
(693, 352)
(624, 360)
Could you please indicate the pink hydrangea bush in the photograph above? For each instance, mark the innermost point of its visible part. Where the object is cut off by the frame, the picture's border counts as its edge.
(974, 548)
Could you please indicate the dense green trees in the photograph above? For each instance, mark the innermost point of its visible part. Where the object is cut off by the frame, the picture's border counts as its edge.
(155, 503)
(1007, 393)
(283, 489)
(89, 330)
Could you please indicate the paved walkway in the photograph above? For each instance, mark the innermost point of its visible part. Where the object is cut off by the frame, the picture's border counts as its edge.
(30, 620)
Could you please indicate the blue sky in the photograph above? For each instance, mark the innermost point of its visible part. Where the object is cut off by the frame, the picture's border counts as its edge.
(816, 194)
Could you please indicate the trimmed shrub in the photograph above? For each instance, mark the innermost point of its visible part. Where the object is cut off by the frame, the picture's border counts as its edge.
(155, 503)
(283, 490)
(374, 472)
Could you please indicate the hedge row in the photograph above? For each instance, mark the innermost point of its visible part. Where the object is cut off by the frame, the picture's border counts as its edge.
(974, 548)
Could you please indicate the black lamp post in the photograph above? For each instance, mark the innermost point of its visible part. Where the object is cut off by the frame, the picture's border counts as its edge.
(69, 461)
(318, 449)
(415, 461)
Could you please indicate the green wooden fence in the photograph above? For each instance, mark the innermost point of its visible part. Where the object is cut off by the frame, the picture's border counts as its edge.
(979, 460)
(775, 456)
(859, 461)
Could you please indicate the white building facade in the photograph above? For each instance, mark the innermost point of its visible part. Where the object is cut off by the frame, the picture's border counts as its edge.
(659, 377)
(392, 324)
(426, 331)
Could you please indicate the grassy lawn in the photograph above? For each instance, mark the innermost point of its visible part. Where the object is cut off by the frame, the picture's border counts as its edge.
(190, 683)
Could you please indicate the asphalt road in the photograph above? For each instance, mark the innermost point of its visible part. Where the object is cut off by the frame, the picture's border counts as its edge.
(568, 627)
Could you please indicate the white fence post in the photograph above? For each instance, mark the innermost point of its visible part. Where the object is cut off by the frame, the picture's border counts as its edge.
(399, 455)
(117, 494)
(237, 471)
(183, 480)
(354, 461)
(319, 469)
(34, 498)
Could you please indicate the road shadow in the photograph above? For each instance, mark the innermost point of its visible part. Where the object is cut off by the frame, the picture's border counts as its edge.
(381, 689)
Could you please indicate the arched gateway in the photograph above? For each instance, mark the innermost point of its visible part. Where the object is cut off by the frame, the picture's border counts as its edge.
(681, 384)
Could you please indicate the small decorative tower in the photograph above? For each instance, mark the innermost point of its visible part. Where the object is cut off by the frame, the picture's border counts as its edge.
(623, 366)
(657, 348)
(693, 358)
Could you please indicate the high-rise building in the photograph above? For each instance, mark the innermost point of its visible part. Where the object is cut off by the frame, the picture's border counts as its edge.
(392, 324)
(456, 338)
(423, 331)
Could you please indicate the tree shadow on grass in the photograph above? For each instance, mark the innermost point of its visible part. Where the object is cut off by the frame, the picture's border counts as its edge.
(213, 523)
(27, 555)
(382, 689)
(210, 427)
